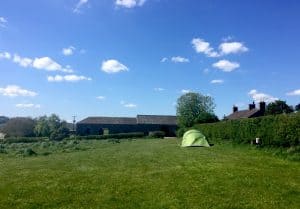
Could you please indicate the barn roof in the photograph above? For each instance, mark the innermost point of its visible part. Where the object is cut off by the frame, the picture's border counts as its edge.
(140, 119)
(108, 120)
(157, 119)
(243, 114)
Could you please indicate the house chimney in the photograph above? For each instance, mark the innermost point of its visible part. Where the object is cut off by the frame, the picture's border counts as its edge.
(235, 108)
(262, 107)
(252, 106)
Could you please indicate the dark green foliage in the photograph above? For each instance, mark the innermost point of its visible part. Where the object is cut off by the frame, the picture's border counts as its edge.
(114, 136)
(29, 152)
(207, 118)
(278, 107)
(156, 134)
(297, 107)
(52, 127)
(191, 106)
(19, 127)
(279, 130)
(23, 139)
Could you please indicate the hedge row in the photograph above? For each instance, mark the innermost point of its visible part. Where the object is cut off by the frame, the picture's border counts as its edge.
(23, 139)
(278, 130)
(113, 136)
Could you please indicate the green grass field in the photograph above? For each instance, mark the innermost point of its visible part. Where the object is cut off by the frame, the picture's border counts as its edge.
(149, 174)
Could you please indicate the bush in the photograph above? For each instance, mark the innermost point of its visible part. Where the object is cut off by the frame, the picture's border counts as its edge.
(23, 139)
(279, 130)
(156, 134)
(114, 136)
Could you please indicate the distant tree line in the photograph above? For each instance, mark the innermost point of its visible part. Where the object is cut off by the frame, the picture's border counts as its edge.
(52, 127)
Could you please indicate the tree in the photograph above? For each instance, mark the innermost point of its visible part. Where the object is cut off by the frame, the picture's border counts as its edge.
(194, 107)
(297, 107)
(278, 107)
(52, 127)
(19, 127)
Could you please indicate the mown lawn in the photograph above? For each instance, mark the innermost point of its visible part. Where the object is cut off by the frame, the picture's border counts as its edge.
(150, 174)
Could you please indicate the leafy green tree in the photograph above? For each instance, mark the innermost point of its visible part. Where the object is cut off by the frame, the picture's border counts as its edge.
(278, 107)
(19, 127)
(52, 127)
(297, 107)
(194, 107)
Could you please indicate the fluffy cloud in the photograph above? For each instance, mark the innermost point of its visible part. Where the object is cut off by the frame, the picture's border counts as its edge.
(179, 59)
(128, 105)
(68, 51)
(3, 22)
(259, 96)
(185, 91)
(14, 91)
(129, 3)
(201, 46)
(164, 59)
(78, 6)
(46, 63)
(22, 61)
(28, 105)
(67, 78)
(226, 65)
(5, 55)
(159, 89)
(217, 81)
(101, 97)
(113, 66)
(294, 93)
(232, 48)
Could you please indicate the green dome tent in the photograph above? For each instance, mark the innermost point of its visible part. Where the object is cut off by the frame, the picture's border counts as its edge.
(194, 138)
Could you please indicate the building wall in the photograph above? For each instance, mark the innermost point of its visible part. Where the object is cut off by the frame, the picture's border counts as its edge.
(97, 129)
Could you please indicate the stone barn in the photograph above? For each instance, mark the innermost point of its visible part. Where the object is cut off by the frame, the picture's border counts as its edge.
(140, 123)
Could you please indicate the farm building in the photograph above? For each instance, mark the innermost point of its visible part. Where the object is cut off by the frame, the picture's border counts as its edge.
(140, 123)
(251, 112)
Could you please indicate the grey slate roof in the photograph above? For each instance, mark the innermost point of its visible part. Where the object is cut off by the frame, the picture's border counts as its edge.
(140, 119)
(108, 120)
(157, 119)
(243, 114)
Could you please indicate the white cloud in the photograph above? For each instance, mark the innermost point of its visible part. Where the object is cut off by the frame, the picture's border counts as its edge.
(101, 97)
(5, 55)
(68, 51)
(294, 93)
(3, 22)
(217, 81)
(14, 91)
(226, 65)
(28, 105)
(67, 78)
(201, 46)
(259, 96)
(206, 71)
(22, 61)
(164, 59)
(46, 63)
(159, 89)
(185, 91)
(130, 105)
(113, 66)
(129, 3)
(232, 48)
(179, 59)
(78, 6)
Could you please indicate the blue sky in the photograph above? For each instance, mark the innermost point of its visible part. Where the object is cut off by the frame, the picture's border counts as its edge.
(128, 57)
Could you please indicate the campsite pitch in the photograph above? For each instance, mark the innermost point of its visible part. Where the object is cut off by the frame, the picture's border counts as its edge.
(150, 174)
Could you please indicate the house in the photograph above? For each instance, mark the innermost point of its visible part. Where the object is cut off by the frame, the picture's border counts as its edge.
(140, 123)
(251, 112)
(2, 135)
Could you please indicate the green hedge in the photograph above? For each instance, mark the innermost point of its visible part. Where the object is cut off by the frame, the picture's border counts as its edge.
(113, 136)
(23, 139)
(279, 130)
